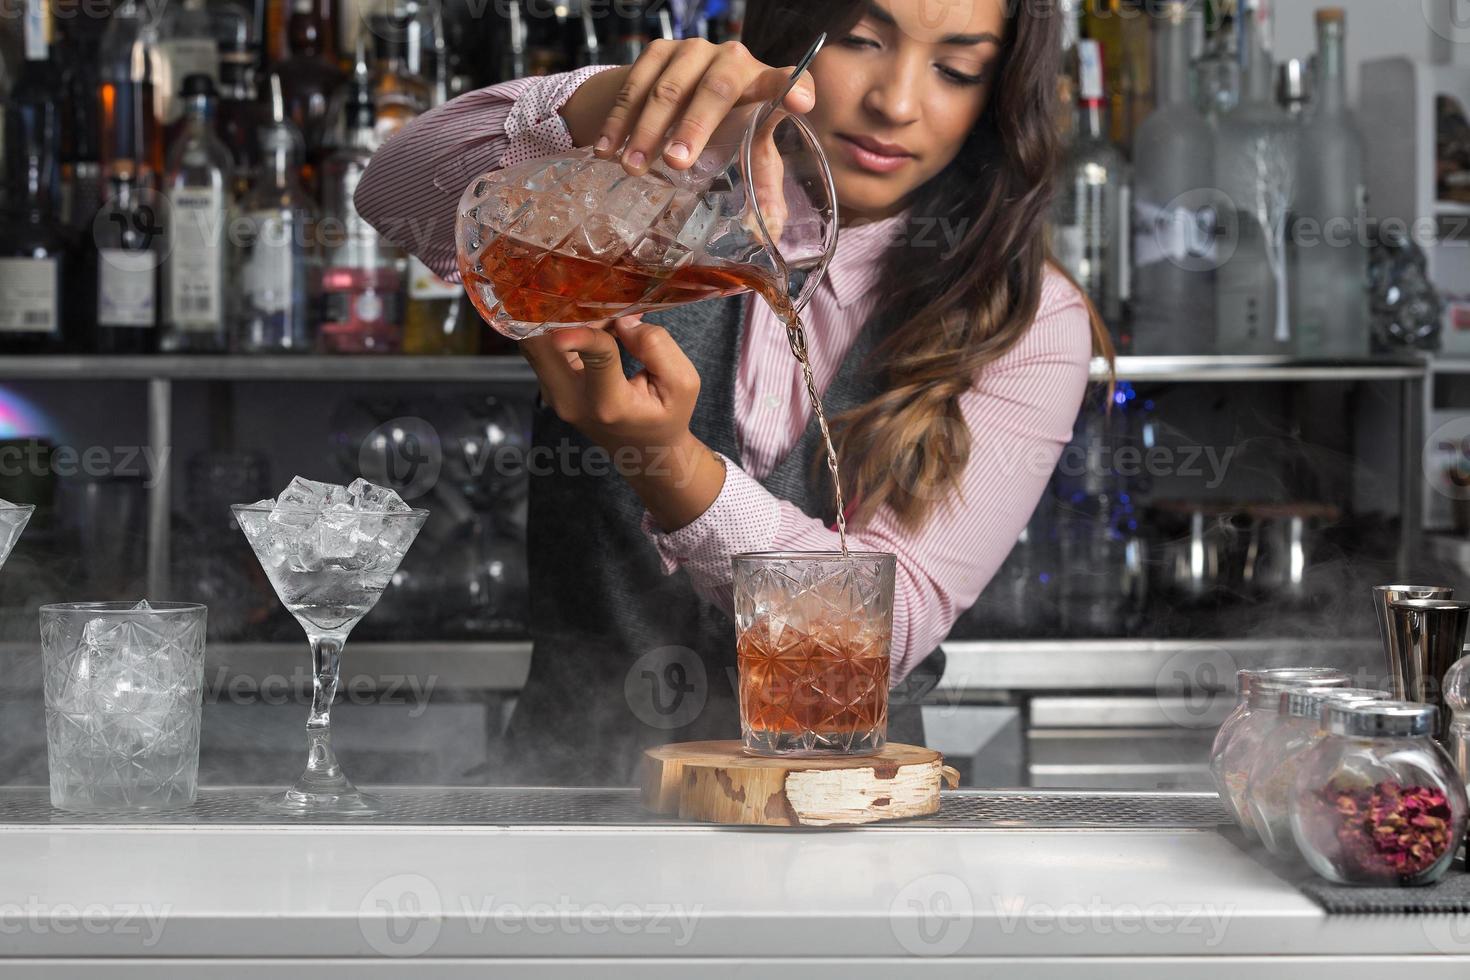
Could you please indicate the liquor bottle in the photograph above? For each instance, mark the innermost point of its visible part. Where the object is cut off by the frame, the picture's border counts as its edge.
(546, 32)
(1173, 215)
(1217, 69)
(1070, 14)
(81, 166)
(1121, 27)
(196, 272)
(1256, 170)
(589, 49)
(362, 299)
(279, 253)
(239, 115)
(187, 45)
(130, 132)
(398, 94)
(37, 249)
(1090, 231)
(309, 79)
(631, 25)
(123, 256)
(1330, 303)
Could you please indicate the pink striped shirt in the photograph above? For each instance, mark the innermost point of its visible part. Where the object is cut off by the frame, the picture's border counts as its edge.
(1020, 411)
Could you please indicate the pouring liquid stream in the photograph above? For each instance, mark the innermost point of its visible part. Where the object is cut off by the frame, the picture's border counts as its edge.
(535, 285)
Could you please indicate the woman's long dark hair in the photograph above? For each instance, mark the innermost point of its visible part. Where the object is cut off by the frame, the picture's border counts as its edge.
(958, 311)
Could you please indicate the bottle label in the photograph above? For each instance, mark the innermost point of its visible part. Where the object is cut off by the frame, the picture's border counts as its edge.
(424, 285)
(37, 44)
(268, 273)
(177, 59)
(126, 288)
(196, 229)
(29, 301)
(1090, 71)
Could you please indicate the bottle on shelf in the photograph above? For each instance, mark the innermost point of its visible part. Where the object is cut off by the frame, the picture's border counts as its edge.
(239, 114)
(589, 49)
(513, 43)
(1122, 28)
(130, 131)
(1090, 228)
(196, 272)
(399, 95)
(124, 253)
(1256, 151)
(1174, 248)
(1217, 69)
(1330, 302)
(37, 249)
(81, 167)
(362, 284)
(187, 45)
(309, 80)
(280, 262)
(1070, 14)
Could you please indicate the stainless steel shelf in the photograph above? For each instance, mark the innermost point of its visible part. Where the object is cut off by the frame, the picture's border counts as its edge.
(226, 367)
(1158, 666)
(1212, 368)
(510, 368)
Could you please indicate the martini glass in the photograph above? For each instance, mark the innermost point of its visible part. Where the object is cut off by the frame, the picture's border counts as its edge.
(329, 570)
(13, 519)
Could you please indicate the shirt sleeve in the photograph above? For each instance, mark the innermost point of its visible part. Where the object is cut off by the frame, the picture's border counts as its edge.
(1020, 415)
(412, 187)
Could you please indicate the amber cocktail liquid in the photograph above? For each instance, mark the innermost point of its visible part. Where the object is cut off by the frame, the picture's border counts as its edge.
(813, 638)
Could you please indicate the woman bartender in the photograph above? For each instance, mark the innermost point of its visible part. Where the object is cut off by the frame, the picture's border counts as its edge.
(952, 355)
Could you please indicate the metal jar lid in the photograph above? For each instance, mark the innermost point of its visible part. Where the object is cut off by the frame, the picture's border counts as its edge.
(1265, 692)
(1249, 677)
(1307, 702)
(1380, 719)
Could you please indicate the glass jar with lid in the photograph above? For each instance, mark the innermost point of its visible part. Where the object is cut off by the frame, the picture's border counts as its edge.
(1255, 712)
(1298, 728)
(1377, 801)
(1229, 767)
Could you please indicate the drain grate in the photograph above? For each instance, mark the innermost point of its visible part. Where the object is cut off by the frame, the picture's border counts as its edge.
(538, 807)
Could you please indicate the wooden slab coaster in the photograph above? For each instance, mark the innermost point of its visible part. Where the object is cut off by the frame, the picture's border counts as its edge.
(719, 783)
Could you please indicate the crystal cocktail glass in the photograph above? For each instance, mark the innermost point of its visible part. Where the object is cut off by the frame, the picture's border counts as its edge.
(328, 596)
(813, 633)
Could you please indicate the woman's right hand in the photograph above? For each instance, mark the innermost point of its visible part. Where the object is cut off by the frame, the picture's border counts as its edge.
(672, 99)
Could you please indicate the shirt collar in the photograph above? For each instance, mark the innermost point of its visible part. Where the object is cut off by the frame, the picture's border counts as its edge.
(858, 260)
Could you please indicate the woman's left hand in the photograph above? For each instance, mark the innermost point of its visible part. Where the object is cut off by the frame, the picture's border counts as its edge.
(582, 380)
(642, 421)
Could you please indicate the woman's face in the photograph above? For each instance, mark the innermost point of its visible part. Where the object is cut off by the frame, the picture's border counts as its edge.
(899, 93)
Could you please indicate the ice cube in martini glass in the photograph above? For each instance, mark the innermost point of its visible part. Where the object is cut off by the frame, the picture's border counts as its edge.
(329, 551)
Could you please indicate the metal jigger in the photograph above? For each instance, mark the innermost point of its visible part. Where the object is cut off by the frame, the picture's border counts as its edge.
(1382, 596)
(1430, 637)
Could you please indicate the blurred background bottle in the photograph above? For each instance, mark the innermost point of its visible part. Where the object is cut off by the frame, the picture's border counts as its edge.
(1256, 168)
(1090, 228)
(124, 253)
(1173, 219)
(309, 79)
(37, 249)
(1330, 307)
(198, 185)
(280, 263)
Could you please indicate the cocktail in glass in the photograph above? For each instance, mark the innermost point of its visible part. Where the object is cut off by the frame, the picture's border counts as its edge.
(813, 633)
(329, 565)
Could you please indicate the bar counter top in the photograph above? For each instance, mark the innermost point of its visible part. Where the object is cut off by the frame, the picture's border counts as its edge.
(576, 883)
